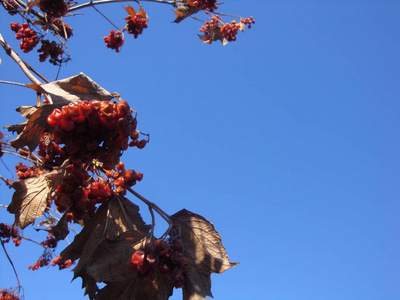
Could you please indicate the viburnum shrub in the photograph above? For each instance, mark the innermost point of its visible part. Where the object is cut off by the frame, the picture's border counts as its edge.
(72, 173)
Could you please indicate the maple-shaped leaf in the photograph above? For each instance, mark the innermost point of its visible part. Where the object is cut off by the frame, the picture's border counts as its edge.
(185, 10)
(33, 127)
(116, 225)
(203, 248)
(76, 88)
(30, 197)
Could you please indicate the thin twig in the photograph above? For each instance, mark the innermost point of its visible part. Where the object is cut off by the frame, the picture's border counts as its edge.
(12, 264)
(92, 3)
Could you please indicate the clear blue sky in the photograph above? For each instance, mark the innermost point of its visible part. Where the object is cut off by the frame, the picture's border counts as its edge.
(287, 140)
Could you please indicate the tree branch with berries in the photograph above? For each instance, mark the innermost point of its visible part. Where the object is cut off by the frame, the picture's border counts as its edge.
(72, 142)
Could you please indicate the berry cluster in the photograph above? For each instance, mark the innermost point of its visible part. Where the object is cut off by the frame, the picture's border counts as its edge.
(11, 6)
(61, 28)
(43, 261)
(209, 5)
(53, 8)
(229, 30)
(161, 256)
(94, 130)
(25, 172)
(61, 263)
(123, 178)
(51, 49)
(135, 24)
(28, 36)
(99, 191)
(115, 40)
(50, 241)
(8, 295)
(248, 21)
(211, 26)
(7, 232)
(52, 154)
(71, 193)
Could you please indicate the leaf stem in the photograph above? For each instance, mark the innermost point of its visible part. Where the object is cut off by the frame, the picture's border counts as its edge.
(154, 206)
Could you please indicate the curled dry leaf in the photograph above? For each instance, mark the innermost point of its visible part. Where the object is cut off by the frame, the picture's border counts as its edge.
(76, 88)
(203, 247)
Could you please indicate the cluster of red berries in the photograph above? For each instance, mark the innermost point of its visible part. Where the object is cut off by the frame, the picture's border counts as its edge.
(52, 154)
(25, 172)
(161, 257)
(61, 28)
(50, 241)
(51, 49)
(28, 36)
(123, 178)
(115, 40)
(53, 8)
(7, 232)
(71, 193)
(99, 191)
(58, 261)
(135, 24)
(8, 295)
(94, 130)
(210, 27)
(209, 5)
(248, 21)
(230, 30)
(43, 261)
(11, 6)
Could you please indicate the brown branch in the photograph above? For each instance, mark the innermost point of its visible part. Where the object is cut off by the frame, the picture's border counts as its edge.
(92, 3)
(10, 52)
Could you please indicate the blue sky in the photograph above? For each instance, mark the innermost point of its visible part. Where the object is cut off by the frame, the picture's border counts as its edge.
(287, 140)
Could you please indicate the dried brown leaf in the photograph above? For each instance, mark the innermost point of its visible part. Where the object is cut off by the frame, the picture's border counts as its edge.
(29, 200)
(60, 231)
(32, 129)
(104, 246)
(30, 197)
(130, 10)
(185, 10)
(203, 247)
(76, 88)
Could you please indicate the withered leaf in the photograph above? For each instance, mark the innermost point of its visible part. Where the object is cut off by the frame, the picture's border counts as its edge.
(29, 200)
(32, 129)
(214, 35)
(60, 231)
(203, 247)
(30, 197)
(76, 88)
(185, 10)
(104, 246)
